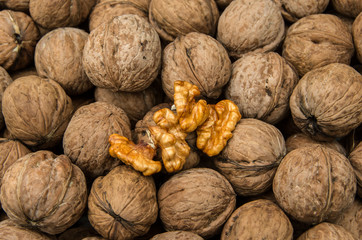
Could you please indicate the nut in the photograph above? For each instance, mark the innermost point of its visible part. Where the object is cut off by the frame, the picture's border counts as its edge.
(177, 235)
(355, 157)
(10, 230)
(350, 8)
(325, 231)
(357, 36)
(5, 81)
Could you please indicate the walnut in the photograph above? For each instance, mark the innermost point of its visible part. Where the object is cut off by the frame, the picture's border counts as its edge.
(355, 157)
(5, 81)
(316, 41)
(36, 111)
(250, 26)
(350, 8)
(326, 103)
(18, 37)
(258, 219)
(177, 235)
(16, 5)
(122, 204)
(10, 230)
(199, 59)
(357, 36)
(123, 54)
(326, 231)
(173, 18)
(314, 184)
(199, 200)
(58, 56)
(85, 140)
(44, 191)
(251, 157)
(260, 85)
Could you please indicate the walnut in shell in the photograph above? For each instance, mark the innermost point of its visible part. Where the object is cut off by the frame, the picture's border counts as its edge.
(5, 81)
(355, 157)
(58, 56)
(316, 41)
(350, 8)
(199, 200)
(10, 230)
(199, 59)
(250, 26)
(258, 219)
(326, 231)
(36, 111)
(122, 204)
(326, 103)
(18, 37)
(123, 54)
(177, 235)
(16, 5)
(357, 36)
(173, 18)
(44, 191)
(314, 184)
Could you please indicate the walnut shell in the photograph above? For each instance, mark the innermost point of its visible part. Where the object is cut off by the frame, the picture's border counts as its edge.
(44, 191)
(58, 56)
(173, 18)
(355, 157)
(16, 5)
(199, 59)
(251, 157)
(36, 111)
(314, 184)
(122, 204)
(198, 200)
(350, 8)
(260, 85)
(18, 37)
(357, 36)
(326, 231)
(326, 103)
(177, 235)
(250, 26)
(316, 41)
(85, 140)
(258, 219)
(5, 81)
(10, 230)
(123, 54)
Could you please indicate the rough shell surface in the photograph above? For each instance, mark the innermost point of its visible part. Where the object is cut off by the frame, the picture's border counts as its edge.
(10, 230)
(316, 41)
(258, 219)
(85, 140)
(199, 200)
(123, 54)
(122, 204)
(44, 191)
(314, 184)
(16, 5)
(326, 231)
(355, 157)
(248, 25)
(5, 81)
(350, 8)
(357, 36)
(327, 102)
(58, 56)
(177, 235)
(199, 59)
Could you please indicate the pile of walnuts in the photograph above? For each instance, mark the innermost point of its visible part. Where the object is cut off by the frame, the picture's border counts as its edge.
(169, 119)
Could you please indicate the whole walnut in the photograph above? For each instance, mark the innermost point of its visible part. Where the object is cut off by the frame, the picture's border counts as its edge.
(58, 56)
(105, 10)
(355, 157)
(198, 200)
(123, 54)
(36, 111)
(10, 230)
(260, 85)
(44, 191)
(350, 8)
(16, 5)
(122, 204)
(51, 14)
(326, 231)
(173, 18)
(317, 40)
(5, 81)
(18, 37)
(357, 36)
(326, 103)
(250, 26)
(251, 157)
(314, 184)
(258, 219)
(177, 235)
(199, 59)
(85, 140)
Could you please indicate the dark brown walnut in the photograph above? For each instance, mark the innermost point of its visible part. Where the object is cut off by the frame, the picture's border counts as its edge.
(357, 36)
(260, 85)
(44, 191)
(36, 111)
(80, 233)
(258, 219)
(198, 200)
(10, 230)
(23, 72)
(5, 81)
(105, 10)
(85, 140)
(123, 54)
(326, 231)
(314, 184)
(222, 4)
(316, 41)
(250, 26)
(251, 157)
(51, 14)
(173, 18)
(198, 59)
(122, 204)
(18, 37)
(177, 235)
(58, 56)
(326, 103)
(355, 157)
(350, 8)
(16, 5)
